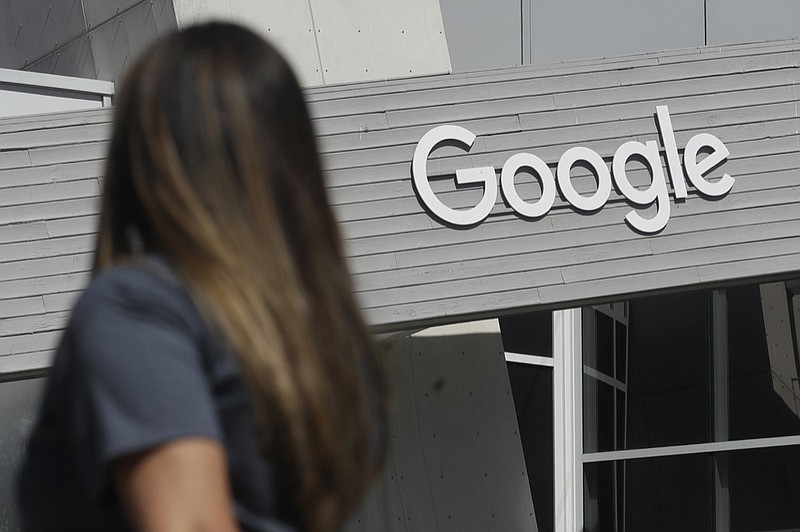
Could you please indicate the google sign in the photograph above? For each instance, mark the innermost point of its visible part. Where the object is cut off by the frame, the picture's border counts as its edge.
(656, 194)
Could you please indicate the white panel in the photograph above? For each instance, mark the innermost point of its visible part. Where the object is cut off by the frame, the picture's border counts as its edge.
(378, 39)
(32, 102)
(286, 23)
(337, 41)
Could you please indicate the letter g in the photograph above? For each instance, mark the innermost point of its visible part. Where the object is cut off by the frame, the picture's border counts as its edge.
(483, 174)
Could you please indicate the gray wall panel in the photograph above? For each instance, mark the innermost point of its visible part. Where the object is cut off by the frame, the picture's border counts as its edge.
(99, 11)
(482, 34)
(72, 59)
(30, 343)
(30, 30)
(56, 210)
(84, 38)
(732, 21)
(583, 28)
(27, 306)
(23, 232)
(117, 42)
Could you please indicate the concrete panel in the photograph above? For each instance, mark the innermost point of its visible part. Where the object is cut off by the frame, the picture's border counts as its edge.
(286, 23)
(73, 59)
(114, 34)
(483, 35)
(117, 42)
(380, 39)
(731, 21)
(99, 11)
(19, 402)
(29, 30)
(164, 11)
(456, 460)
(584, 29)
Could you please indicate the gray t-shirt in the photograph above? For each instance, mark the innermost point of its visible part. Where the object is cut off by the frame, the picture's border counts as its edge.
(138, 367)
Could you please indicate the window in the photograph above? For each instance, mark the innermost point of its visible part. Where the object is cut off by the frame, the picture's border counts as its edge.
(691, 411)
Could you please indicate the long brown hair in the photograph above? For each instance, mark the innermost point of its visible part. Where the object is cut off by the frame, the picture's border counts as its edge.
(213, 164)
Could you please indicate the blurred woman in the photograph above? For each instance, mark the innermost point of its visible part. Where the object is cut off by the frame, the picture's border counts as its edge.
(216, 374)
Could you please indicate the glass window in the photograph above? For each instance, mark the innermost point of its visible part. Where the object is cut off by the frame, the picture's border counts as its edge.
(668, 385)
(664, 362)
(531, 335)
(764, 487)
(763, 391)
(532, 388)
(662, 494)
(713, 375)
(605, 358)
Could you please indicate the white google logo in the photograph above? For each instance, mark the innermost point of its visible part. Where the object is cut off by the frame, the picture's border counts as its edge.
(656, 193)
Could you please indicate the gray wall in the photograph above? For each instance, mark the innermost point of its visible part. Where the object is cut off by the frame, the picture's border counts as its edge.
(326, 41)
(455, 461)
(483, 34)
(84, 38)
(731, 21)
(584, 29)
(339, 41)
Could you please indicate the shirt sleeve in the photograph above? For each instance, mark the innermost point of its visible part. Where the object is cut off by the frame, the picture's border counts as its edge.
(138, 374)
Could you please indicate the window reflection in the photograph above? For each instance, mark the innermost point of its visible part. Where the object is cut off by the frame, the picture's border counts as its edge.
(663, 363)
(695, 368)
(532, 388)
(664, 494)
(763, 361)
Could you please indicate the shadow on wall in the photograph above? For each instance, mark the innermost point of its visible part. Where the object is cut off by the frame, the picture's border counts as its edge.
(19, 402)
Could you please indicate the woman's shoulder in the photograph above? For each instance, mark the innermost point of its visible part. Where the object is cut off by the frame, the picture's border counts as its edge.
(146, 285)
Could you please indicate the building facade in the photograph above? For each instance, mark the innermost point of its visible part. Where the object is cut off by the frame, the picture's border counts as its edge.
(585, 273)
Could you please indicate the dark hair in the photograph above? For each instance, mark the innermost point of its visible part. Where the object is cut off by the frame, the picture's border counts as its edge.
(213, 164)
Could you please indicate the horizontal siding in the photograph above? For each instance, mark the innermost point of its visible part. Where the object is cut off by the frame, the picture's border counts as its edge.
(411, 270)
(50, 168)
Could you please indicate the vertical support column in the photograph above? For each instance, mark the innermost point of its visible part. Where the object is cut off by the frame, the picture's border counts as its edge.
(527, 38)
(719, 393)
(567, 419)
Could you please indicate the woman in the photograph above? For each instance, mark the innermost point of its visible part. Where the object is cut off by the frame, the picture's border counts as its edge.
(216, 374)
